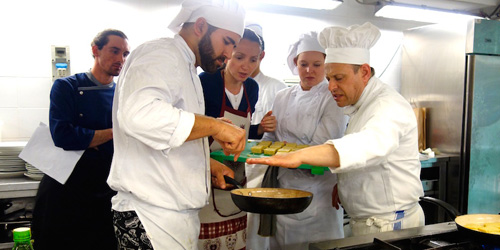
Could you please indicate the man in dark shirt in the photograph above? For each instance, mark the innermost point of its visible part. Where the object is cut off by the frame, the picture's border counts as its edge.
(77, 214)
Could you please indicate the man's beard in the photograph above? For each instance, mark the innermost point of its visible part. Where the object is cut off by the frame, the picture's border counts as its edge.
(207, 54)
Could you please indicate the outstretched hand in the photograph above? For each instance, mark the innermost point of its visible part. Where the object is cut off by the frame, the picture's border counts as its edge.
(290, 160)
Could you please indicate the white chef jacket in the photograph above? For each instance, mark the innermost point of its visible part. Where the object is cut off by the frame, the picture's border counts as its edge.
(308, 117)
(379, 169)
(159, 175)
(268, 87)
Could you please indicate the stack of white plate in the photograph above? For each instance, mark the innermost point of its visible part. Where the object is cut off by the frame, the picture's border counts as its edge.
(33, 173)
(10, 163)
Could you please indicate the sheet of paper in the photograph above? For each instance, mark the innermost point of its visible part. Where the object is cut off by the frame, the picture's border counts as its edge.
(55, 162)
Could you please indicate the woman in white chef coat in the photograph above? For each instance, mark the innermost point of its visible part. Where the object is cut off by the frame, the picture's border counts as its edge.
(307, 114)
(376, 162)
(232, 94)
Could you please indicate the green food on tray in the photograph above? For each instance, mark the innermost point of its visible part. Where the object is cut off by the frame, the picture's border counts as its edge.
(251, 151)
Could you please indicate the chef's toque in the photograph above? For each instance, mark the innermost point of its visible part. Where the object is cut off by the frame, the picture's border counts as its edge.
(349, 45)
(256, 28)
(306, 42)
(223, 14)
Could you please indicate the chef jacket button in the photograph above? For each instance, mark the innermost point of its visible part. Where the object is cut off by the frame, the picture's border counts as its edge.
(81, 115)
(81, 92)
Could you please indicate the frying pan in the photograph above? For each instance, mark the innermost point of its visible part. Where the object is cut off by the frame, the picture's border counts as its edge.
(269, 200)
(463, 220)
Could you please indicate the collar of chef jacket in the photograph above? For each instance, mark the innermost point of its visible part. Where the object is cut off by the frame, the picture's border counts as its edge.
(188, 53)
(352, 109)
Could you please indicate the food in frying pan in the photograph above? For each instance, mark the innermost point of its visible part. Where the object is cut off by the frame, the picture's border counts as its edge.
(491, 227)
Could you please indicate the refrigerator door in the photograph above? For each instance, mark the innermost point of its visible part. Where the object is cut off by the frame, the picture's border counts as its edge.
(482, 133)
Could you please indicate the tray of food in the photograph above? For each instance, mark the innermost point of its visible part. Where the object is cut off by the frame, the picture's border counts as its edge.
(255, 149)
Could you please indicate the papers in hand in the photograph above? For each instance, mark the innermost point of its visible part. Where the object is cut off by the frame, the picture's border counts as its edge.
(55, 162)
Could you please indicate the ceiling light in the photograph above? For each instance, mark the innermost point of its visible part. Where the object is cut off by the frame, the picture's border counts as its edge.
(421, 13)
(310, 4)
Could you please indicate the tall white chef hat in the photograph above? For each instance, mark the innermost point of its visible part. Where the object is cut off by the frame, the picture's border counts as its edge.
(349, 45)
(224, 14)
(306, 42)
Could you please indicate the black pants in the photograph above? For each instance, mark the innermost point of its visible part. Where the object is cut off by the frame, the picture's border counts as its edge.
(76, 215)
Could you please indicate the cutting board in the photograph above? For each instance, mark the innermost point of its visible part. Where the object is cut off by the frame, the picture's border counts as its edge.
(247, 153)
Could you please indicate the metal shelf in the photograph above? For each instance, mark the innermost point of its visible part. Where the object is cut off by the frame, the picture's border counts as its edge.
(18, 187)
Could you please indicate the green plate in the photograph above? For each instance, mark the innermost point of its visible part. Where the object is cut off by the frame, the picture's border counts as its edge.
(247, 153)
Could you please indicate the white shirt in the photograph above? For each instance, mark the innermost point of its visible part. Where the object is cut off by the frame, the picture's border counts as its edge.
(235, 99)
(308, 117)
(268, 87)
(154, 169)
(379, 169)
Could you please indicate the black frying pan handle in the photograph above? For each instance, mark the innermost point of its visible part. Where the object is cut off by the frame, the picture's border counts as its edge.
(232, 181)
(452, 212)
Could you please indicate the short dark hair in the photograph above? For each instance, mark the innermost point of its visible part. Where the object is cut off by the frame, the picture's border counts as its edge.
(250, 35)
(355, 68)
(103, 37)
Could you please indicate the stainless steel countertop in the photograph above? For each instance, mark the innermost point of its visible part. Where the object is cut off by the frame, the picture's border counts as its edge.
(393, 235)
(18, 187)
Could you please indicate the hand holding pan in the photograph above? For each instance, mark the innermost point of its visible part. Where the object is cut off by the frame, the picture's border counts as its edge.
(232, 181)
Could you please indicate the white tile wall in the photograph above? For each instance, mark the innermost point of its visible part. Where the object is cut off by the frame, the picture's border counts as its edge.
(25, 61)
(10, 119)
(29, 118)
(8, 92)
(33, 92)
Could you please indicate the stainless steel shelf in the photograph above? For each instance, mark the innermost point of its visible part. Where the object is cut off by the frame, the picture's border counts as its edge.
(18, 187)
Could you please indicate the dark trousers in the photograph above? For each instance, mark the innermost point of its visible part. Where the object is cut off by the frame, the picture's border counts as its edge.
(76, 215)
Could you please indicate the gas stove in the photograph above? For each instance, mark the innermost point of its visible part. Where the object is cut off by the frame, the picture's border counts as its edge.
(437, 236)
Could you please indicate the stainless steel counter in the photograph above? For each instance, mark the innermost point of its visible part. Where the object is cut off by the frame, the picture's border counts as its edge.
(18, 187)
(393, 235)
(6, 246)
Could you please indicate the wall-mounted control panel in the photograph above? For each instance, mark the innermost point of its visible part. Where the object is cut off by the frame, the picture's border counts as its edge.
(60, 62)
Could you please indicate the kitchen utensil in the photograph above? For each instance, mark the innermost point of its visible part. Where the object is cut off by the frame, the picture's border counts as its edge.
(463, 220)
(269, 200)
(232, 181)
(247, 153)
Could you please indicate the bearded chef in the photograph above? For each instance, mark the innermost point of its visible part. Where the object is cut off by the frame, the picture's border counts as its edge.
(161, 168)
(376, 161)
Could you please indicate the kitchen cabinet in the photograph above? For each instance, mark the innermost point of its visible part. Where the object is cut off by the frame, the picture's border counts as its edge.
(442, 171)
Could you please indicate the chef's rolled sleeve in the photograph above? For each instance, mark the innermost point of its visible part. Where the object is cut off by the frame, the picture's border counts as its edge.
(349, 154)
(149, 117)
(183, 129)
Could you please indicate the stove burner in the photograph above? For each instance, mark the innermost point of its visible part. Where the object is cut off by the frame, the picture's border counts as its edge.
(451, 241)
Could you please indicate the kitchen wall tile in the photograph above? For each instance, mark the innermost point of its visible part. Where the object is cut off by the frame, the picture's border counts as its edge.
(29, 118)
(10, 122)
(8, 92)
(33, 92)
